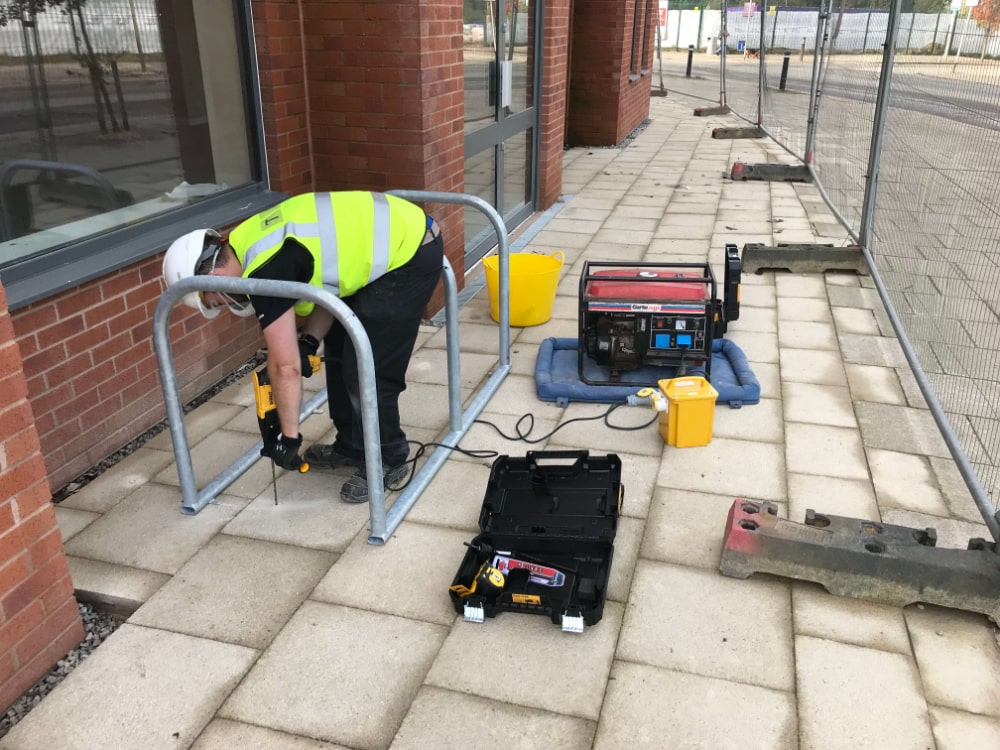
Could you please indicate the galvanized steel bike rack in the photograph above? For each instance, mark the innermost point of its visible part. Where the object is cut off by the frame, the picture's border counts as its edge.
(382, 522)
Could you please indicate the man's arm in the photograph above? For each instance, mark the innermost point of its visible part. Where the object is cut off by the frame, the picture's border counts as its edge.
(285, 371)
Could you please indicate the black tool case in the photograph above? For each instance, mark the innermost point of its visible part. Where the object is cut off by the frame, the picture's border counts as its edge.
(555, 514)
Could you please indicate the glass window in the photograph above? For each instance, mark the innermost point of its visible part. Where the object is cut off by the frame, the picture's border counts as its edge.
(115, 112)
(633, 67)
(646, 49)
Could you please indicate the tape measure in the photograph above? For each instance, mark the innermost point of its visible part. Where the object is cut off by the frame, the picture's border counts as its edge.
(488, 582)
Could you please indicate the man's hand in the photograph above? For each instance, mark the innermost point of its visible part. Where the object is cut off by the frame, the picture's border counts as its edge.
(308, 346)
(285, 452)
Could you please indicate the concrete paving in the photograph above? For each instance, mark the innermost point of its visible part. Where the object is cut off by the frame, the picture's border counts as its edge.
(279, 627)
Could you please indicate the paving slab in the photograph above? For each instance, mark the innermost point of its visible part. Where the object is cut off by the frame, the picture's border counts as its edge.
(851, 320)
(903, 480)
(594, 432)
(760, 421)
(806, 334)
(812, 403)
(627, 541)
(531, 662)
(756, 319)
(309, 513)
(338, 674)
(817, 613)
(639, 478)
(900, 428)
(417, 564)
(198, 424)
(957, 730)
(160, 688)
(686, 528)
(812, 366)
(650, 709)
(147, 530)
(757, 346)
(227, 591)
(853, 498)
(108, 489)
(881, 351)
(811, 309)
(223, 734)
(430, 365)
(958, 656)
(875, 384)
(72, 522)
(118, 588)
(695, 620)
(852, 698)
(446, 719)
(454, 497)
(828, 451)
(740, 468)
(486, 438)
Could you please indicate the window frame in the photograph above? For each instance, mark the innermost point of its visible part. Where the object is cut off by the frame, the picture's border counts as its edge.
(51, 272)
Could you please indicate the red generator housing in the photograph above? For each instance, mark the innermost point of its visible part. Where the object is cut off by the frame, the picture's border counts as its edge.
(661, 314)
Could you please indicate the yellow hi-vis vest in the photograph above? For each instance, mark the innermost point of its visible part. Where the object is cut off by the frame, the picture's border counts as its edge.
(354, 237)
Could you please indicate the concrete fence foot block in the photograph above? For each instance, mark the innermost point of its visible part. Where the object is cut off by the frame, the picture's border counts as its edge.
(861, 559)
(803, 258)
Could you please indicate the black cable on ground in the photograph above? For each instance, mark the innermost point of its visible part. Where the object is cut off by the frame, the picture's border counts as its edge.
(521, 435)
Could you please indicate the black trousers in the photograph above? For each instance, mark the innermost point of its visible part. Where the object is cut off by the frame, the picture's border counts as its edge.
(390, 309)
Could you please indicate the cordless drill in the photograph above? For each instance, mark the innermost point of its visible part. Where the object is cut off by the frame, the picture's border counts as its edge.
(267, 412)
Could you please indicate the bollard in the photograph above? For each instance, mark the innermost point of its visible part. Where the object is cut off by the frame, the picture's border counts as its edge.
(784, 71)
(690, 58)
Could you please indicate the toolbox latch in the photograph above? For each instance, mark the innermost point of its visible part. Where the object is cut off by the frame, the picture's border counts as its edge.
(572, 623)
(474, 612)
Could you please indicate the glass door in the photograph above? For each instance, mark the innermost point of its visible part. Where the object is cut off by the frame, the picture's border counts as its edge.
(502, 41)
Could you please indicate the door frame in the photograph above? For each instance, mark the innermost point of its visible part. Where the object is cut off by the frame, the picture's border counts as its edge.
(503, 128)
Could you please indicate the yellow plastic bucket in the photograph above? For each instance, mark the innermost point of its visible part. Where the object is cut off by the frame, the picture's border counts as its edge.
(533, 282)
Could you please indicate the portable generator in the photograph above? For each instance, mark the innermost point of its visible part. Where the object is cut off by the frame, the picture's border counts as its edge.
(660, 314)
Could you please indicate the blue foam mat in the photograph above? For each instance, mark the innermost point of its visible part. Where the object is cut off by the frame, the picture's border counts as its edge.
(557, 375)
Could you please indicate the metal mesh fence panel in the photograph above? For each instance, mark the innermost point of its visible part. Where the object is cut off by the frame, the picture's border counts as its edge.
(742, 73)
(936, 225)
(848, 88)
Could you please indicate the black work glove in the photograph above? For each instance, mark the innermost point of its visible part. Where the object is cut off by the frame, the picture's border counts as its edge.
(285, 452)
(308, 346)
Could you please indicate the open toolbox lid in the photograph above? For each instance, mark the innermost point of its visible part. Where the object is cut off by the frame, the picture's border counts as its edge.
(553, 495)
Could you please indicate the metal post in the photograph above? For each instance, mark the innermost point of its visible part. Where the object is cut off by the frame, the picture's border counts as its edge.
(815, 90)
(951, 33)
(722, 56)
(138, 37)
(761, 70)
(868, 23)
(878, 126)
(784, 70)
(690, 58)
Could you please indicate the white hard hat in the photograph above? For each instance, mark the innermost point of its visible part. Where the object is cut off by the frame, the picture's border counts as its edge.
(185, 255)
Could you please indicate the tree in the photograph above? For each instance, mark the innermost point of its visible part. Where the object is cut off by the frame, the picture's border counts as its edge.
(987, 15)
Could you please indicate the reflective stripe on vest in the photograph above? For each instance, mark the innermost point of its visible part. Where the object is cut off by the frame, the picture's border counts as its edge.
(325, 230)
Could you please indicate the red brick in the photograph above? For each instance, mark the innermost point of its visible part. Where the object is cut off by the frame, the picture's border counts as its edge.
(33, 587)
(17, 627)
(20, 477)
(15, 572)
(20, 447)
(58, 593)
(34, 317)
(45, 548)
(46, 633)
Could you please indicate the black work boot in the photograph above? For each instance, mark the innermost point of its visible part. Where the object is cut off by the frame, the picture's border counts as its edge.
(325, 457)
(355, 489)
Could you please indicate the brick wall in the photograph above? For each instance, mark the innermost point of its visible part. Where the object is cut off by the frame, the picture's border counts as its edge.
(384, 99)
(604, 105)
(552, 128)
(39, 620)
(91, 371)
